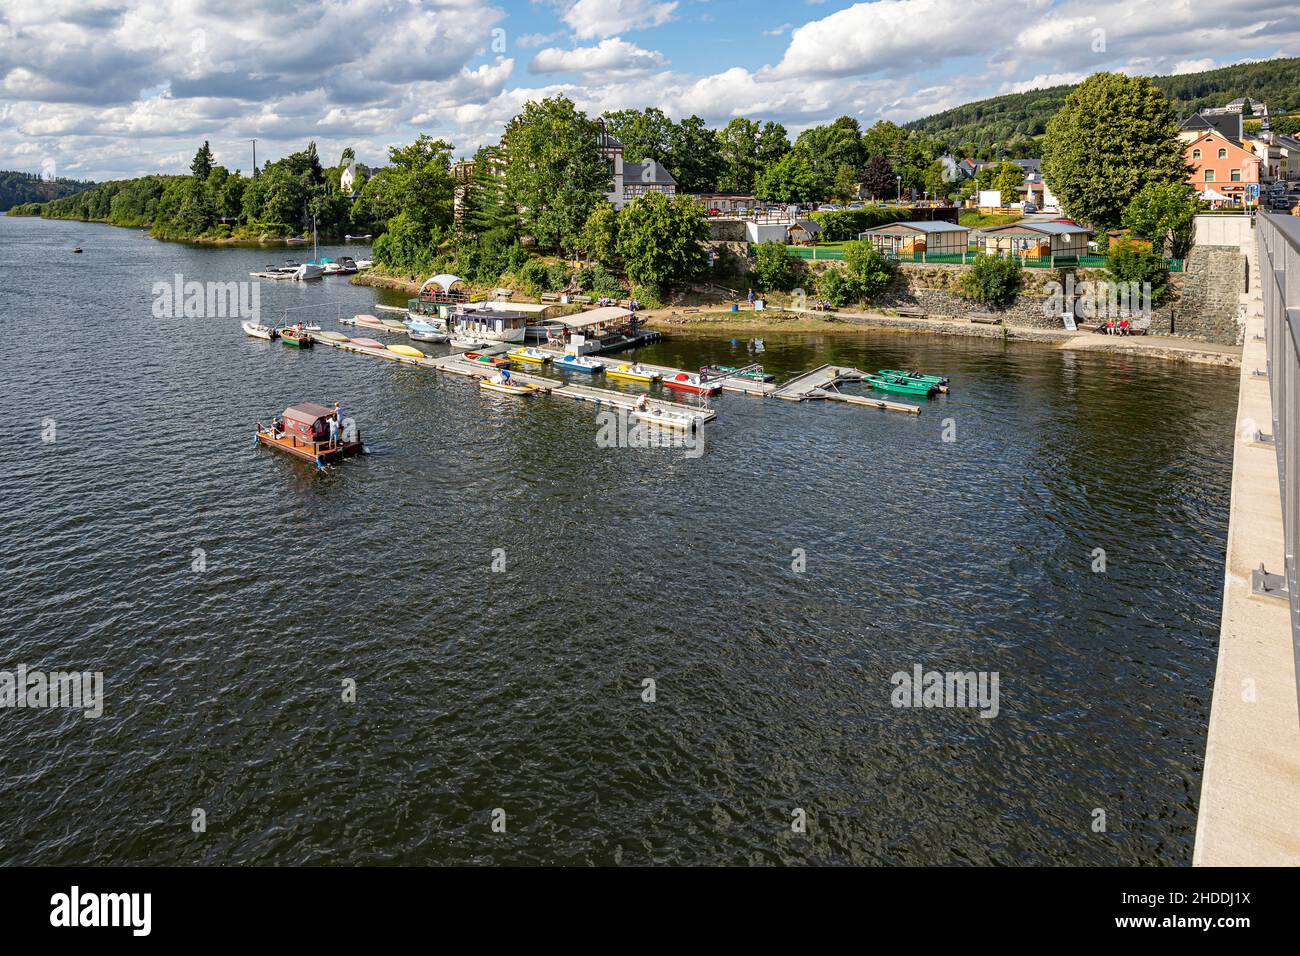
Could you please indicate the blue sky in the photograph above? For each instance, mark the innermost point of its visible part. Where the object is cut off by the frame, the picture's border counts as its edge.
(111, 88)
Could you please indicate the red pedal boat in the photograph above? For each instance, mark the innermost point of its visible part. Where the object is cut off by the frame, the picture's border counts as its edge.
(686, 382)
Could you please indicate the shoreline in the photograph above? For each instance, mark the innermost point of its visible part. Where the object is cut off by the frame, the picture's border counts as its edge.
(1166, 348)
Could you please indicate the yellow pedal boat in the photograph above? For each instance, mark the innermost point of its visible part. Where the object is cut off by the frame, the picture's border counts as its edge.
(633, 373)
(530, 355)
(406, 350)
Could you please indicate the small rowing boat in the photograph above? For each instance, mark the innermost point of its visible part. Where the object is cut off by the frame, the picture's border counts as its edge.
(579, 363)
(259, 331)
(913, 376)
(664, 419)
(497, 384)
(633, 373)
(753, 374)
(296, 337)
(496, 361)
(531, 355)
(406, 350)
(898, 386)
(369, 343)
(686, 382)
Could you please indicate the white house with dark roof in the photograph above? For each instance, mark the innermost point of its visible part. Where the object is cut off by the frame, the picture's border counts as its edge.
(647, 177)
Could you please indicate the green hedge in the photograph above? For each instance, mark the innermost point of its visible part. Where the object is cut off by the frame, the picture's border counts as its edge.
(848, 223)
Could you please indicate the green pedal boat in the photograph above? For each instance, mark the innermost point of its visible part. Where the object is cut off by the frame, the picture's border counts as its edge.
(898, 386)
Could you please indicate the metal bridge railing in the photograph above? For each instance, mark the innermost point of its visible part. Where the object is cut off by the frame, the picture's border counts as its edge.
(1278, 242)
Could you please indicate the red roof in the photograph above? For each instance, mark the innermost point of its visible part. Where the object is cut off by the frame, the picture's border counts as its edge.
(307, 412)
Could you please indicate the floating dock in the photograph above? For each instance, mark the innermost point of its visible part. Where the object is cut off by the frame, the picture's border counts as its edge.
(457, 364)
(824, 383)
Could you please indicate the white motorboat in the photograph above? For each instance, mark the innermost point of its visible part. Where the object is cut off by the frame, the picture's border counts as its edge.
(309, 270)
(258, 331)
(364, 263)
(660, 418)
(460, 342)
(421, 331)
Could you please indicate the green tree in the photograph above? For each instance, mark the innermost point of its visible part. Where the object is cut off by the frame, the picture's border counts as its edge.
(829, 148)
(790, 179)
(738, 152)
(696, 160)
(774, 267)
(992, 281)
(1008, 181)
(845, 187)
(202, 165)
(872, 270)
(661, 240)
(600, 234)
(936, 180)
(1114, 136)
(1164, 213)
(1129, 262)
(484, 210)
(645, 134)
(554, 170)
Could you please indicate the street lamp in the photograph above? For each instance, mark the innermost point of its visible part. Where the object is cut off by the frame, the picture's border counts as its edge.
(900, 189)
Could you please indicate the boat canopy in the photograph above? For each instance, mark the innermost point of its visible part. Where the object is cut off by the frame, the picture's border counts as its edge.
(444, 282)
(307, 412)
(592, 317)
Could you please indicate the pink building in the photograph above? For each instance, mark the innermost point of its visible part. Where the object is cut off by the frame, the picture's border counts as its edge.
(1221, 165)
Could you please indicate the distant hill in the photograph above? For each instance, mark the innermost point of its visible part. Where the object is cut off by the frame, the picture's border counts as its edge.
(1023, 116)
(19, 188)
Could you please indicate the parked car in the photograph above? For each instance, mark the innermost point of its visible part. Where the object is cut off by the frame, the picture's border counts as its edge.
(1029, 209)
(855, 205)
(829, 207)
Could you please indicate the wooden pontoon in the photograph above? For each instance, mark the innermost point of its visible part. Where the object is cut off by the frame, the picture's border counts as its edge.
(302, 430)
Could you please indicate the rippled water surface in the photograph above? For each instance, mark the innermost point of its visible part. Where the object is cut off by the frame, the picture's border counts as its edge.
(522, 690)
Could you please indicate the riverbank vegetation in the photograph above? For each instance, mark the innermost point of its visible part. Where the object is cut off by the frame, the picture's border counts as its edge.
(215, 204)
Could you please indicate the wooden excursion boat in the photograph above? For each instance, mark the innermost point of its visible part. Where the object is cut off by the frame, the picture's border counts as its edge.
(634, 373)
(298, 338)
(686, 382)
(302, 431)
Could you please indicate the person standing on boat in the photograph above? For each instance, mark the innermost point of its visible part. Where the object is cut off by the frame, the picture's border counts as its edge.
(334, 432)
(642, 404)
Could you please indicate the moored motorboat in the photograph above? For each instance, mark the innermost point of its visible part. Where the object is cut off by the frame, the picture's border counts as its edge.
(660, 418)
(419, 336)
(406, 350)
(457, 342)
(259, 331)
(634, 373)
(579, 363)
(298, 338)
(688, 382)
(531, 355)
